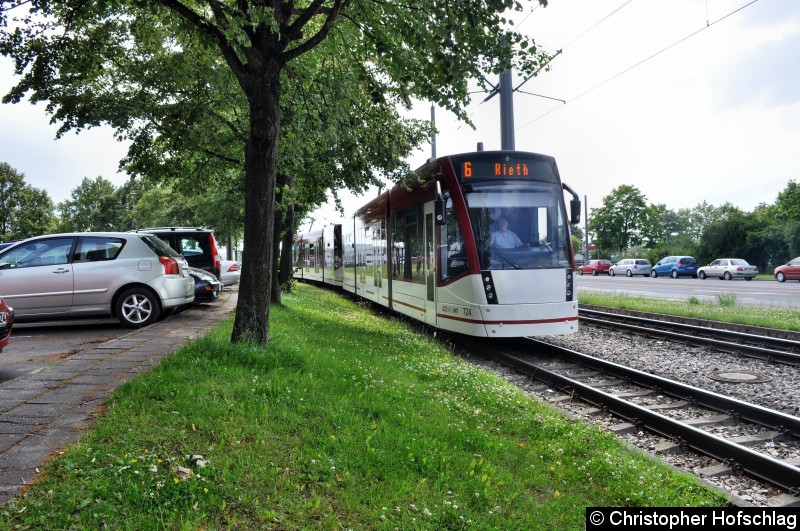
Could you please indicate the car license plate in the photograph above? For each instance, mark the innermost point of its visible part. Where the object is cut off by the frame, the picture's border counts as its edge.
(2, 318)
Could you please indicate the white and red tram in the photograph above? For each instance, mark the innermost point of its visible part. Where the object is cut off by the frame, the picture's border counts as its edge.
(430, 248)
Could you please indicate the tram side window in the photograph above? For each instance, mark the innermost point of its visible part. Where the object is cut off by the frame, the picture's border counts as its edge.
(407, 251)
(452, 253)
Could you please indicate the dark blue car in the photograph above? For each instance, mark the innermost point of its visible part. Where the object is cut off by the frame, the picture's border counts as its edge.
(675, 266)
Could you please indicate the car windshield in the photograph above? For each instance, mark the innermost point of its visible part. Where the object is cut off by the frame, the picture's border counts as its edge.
(736, 261)
(518, 224)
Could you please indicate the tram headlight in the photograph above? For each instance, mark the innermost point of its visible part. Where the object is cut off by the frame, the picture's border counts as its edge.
(569, 285)
(488, 286)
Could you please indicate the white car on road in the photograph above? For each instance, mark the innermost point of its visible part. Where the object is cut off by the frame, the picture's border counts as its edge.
(728, 269)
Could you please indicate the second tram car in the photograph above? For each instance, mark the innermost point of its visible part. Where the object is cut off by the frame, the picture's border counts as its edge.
(479, 244)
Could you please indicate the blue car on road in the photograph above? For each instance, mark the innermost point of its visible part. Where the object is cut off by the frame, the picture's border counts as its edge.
(675, 266)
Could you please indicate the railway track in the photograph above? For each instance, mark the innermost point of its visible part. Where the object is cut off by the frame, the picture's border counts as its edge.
(740, 437)
(758, 345)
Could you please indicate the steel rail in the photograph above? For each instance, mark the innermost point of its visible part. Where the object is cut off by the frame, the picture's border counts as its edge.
(758, 465)
(688, 333)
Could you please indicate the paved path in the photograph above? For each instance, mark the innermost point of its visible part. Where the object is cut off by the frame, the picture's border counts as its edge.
(42, 412)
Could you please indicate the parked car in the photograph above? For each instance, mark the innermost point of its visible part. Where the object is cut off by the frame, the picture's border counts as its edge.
(230, 272)
(675, 266)
(206, 286)
(198, 246)
(6, 323)
(630, 267)
(789, 271)
(134, 277)
(595, 267)
(728, 269)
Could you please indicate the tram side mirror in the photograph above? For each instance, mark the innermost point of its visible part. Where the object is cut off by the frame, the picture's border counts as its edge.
(575, 211)
(438, 210)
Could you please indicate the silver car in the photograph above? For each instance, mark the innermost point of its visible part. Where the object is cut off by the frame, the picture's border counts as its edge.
(728, 269)
(230, 272)
(630, 267)
(136, 278)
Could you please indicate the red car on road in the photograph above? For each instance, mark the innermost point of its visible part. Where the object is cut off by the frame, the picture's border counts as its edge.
(6, 322)
(595, 267)
(790, 271)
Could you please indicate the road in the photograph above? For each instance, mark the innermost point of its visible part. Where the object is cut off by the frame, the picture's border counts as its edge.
(755, 292)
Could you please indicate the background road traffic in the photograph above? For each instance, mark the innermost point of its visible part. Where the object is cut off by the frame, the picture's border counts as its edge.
(757, 292)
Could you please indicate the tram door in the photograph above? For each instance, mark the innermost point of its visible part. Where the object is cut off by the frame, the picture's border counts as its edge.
(430, 262)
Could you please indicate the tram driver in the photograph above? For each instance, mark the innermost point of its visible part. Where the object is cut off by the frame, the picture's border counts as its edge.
(504, 238)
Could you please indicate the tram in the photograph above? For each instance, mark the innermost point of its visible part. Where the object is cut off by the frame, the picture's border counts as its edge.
(477, 243)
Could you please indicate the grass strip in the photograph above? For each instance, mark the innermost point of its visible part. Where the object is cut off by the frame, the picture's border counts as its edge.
(346, 420)
(725, 308)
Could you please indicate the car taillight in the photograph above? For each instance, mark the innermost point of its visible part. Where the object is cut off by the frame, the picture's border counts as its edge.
(755, 268)
(680, 264)
(170, 265)
(233, 268)
(215, 252)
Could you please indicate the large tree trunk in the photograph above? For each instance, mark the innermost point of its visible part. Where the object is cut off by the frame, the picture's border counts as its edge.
(252, 310)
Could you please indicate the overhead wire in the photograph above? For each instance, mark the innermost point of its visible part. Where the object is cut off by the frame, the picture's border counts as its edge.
(615, 76)
(575, 39)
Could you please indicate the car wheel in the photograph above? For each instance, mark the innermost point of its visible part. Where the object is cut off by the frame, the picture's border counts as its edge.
(674, 274)
(138, 307)
(594, 272)
(629, 273)
(748, 278)
(702, 275)
(653, 273)
(780, 277)
(611, 272)
(580, 271)
(728, 276)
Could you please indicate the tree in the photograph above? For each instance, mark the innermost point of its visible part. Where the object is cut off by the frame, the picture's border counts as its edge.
(25, 211)
(35, 216)
(430, 50)
(94, 206)
(618, 224)
(661, 227)
(787, 205)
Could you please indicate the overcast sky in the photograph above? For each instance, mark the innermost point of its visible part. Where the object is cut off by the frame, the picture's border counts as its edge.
(674, 97)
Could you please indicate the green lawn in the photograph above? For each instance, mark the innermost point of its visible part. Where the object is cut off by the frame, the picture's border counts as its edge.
(724, 308)
(347, 420)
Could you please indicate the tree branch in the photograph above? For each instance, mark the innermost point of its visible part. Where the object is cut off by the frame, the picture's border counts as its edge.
(215, 32)
(321, 34)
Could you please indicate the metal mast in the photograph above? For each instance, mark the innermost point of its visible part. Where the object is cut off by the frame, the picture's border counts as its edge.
(506, 112)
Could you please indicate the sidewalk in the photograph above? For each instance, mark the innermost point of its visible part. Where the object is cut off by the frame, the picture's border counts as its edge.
(43, 412)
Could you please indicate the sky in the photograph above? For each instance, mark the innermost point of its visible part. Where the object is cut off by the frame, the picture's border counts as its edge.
(688, 100)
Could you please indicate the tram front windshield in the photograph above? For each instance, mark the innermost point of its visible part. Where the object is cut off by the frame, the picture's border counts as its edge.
(519, 224)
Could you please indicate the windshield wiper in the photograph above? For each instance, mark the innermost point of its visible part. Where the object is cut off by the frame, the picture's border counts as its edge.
(502, 255)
